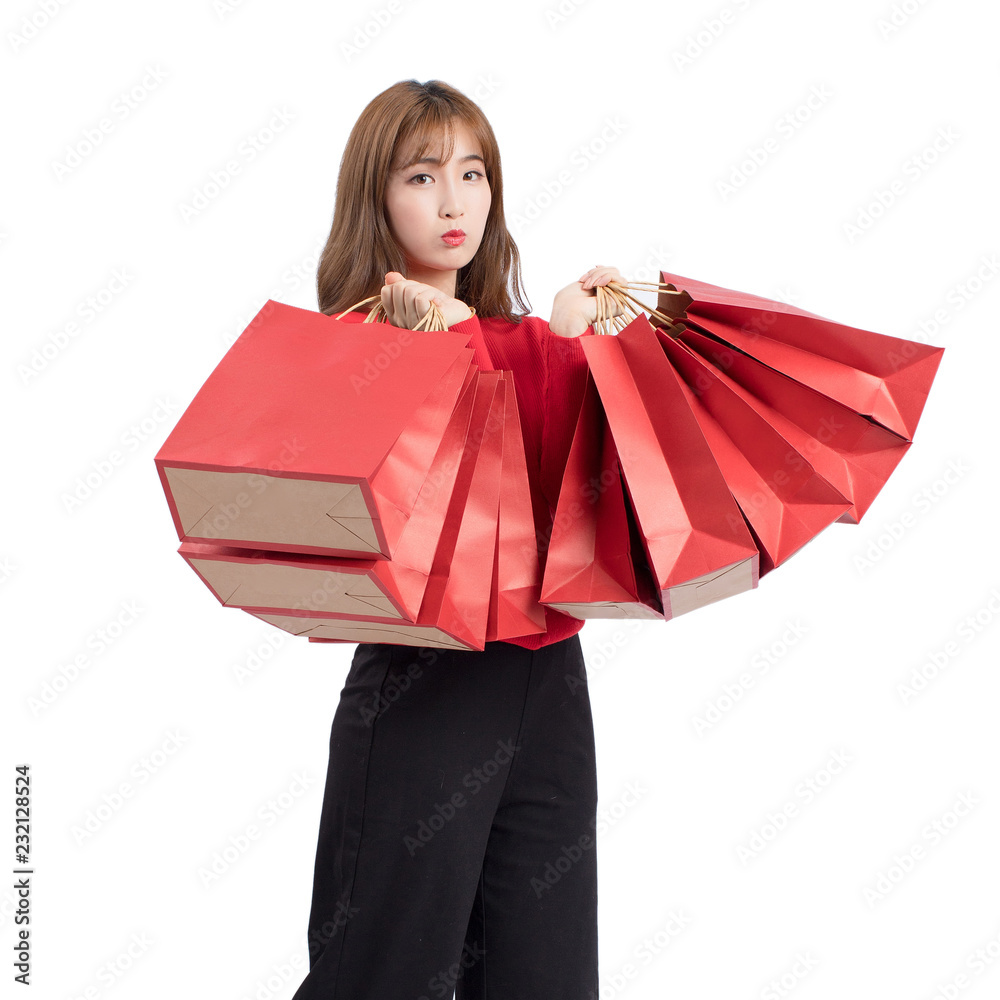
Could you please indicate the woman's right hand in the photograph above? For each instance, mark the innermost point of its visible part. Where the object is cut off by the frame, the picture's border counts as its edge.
(406, 302)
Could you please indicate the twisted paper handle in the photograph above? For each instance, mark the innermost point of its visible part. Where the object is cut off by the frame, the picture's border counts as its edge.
(616, 293)
(432, 320)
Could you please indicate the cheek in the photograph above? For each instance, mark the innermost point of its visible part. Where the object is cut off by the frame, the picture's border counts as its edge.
(405, 214)
(487, 200)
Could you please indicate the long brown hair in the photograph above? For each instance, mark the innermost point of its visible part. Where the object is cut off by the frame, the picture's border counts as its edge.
(360, 248)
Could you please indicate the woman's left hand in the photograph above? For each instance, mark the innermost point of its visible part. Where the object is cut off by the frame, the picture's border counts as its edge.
(575, 306)
(406, 302)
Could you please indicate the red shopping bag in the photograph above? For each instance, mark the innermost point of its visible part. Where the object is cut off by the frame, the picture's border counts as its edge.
(393, 589)
(270, 581)
(854, 454)
(310, 434)
(886, 378)
(699, 548)
(596, 566)
(514, 608)
(784, 500)
(455, 607)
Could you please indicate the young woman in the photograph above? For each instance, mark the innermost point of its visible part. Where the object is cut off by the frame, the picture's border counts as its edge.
(456, 850)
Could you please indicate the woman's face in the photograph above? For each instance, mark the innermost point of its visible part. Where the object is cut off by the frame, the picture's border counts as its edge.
(428, 199)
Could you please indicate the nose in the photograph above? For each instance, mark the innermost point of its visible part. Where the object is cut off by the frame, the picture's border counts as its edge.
(452, 206)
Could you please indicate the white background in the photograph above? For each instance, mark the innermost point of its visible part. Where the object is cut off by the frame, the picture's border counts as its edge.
(642, 196)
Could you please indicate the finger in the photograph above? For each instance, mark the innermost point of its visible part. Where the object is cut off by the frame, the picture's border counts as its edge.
(410, 307)
(406, 304)
(395, 293)
(411, 303)
(387, 303)
(386, 294)
(421, 303)
(601, 276)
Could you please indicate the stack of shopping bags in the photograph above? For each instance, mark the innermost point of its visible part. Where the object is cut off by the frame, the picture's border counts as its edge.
(356, 482)
(714, 439)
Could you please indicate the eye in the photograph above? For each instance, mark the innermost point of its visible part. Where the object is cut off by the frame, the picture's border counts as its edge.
(417, 177)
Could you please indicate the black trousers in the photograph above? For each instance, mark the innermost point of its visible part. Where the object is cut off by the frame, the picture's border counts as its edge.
(456, 852)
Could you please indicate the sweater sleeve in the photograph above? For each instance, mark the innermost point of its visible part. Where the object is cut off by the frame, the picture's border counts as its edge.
(477, 341)
(565, 378)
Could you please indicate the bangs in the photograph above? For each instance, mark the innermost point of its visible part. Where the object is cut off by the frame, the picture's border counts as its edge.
(433, 134)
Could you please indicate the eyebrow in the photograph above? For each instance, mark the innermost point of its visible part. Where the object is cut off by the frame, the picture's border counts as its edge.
(437, 162)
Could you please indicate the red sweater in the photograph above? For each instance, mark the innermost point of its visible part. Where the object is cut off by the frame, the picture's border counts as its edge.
(550, 373)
